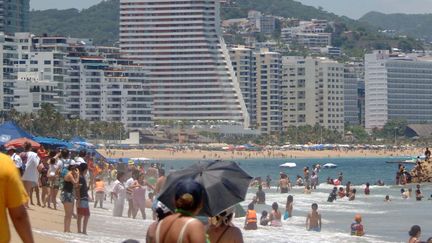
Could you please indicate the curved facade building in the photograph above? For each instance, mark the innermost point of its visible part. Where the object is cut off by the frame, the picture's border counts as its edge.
(188, 65)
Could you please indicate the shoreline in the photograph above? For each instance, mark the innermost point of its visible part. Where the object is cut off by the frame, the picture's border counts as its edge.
(154, 154)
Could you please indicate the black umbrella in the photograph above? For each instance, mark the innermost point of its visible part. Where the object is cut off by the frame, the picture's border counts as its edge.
(225, 184)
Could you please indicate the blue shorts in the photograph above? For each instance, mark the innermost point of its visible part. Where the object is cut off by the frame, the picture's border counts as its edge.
(66, 197)
(316, 229)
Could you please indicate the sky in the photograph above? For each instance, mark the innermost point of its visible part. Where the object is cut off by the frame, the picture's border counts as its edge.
(351, 8)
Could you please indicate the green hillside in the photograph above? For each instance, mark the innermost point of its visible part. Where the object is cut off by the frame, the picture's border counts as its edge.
(99, 22)
(415, 25)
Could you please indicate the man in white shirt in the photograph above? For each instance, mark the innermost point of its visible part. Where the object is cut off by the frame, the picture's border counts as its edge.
(15, 158)
(80, 158)
(31, 174)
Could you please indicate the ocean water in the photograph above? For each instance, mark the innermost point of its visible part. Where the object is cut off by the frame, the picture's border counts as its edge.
(383, 222)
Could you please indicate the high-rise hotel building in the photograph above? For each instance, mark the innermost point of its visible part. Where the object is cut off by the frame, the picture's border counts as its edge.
(14, 16)
(188, 65)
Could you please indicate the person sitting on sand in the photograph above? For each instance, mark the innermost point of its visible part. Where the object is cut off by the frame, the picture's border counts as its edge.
(333, 195)
(414, 233)
(387, 198)
(275, 216)
(183, 226)
(356, 227)
(222, 229)
(251, 218)
(289, 207)
(260, 194)
(352, 195)
(264, 221)
(313, 219)
(367, 189)
(341, 192)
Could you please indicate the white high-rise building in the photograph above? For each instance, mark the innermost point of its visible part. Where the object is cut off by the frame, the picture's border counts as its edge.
(397, 86)
(189, 69)
(313, 92)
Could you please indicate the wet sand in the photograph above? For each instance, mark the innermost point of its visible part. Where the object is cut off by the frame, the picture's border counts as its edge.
(203, 154)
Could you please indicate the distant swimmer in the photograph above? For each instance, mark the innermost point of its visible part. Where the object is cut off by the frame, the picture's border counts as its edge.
(419, 194)
(414, 233)
(333, 195)
(284, 183)
(367, 189)
(352, 194)
(387, 198)
(260, 195)
(264, 221)
(404, 194)
(341, 192)
(299, 181)
(356, 227)
(313, 219)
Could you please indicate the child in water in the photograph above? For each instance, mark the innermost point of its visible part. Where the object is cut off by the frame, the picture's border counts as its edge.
(387, 198)
(367, 189)
(289, 207)
(313, 220)
(356, 227)
(352, 195)
(264, 218)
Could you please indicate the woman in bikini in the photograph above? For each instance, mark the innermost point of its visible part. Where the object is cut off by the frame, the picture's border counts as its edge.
(182, 227)
(222, 230)
(275, 216)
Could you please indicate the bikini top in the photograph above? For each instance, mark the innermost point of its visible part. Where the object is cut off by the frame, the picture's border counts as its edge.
(182, 232)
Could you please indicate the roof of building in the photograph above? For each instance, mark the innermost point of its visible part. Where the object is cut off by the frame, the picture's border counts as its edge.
(421, 130)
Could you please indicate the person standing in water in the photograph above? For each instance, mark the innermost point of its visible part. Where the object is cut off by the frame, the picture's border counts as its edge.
(284, 183)
(313, 219)
(251, 218)
(356, 227)
(275, 216)
(260, 195)
(419, 194)
(414, 233)
(367, 189)
(289, 207)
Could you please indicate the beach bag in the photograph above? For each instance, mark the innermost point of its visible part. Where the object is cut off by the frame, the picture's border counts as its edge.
(286, 215)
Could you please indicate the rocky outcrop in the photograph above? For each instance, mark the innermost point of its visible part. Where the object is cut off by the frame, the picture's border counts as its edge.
(422, 173)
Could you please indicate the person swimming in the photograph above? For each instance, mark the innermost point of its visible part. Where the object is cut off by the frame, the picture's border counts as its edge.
(333, 195)
(264, 221)
(289, 207)
(341, 192)
(367, 189)
(387, 198)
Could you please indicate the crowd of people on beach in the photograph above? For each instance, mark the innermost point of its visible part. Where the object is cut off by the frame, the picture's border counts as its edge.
(81, 179)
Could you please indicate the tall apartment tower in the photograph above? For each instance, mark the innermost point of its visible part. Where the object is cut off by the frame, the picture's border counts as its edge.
(354, 93)
(180, 45)
(313, 92)
(14, 16)
(397, 87)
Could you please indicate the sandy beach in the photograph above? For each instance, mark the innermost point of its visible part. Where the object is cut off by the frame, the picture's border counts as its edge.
(202, 154)
(42, 219)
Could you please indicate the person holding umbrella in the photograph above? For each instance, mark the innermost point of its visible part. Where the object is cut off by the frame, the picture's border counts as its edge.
(182, 227)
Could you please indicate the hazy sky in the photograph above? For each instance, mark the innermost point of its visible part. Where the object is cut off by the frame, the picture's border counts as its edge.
(350, 8)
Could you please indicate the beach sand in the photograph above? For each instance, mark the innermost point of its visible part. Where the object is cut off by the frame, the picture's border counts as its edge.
(42, 219)
(202, 154)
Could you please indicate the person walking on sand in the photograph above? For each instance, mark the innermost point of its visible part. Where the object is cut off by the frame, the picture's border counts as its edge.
(31, 174)
(43, 168)
(139, 196)
(70, 180)
(119, 194)
(313, 219)
(414, 233)
(100, 192)
(14, 198)
(83, 209)
(223, 230)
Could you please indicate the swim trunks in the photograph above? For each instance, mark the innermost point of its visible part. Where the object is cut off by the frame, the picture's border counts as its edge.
(83, 208)
(316, 229)
(284, 190)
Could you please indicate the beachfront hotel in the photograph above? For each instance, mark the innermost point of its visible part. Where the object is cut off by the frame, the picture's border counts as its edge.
(179, 44)
(397, 86)
(313, 92)
(259, 74)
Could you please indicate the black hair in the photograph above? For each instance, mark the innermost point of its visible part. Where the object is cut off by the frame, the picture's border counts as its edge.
(189, 195)
(82, 153)
(27, 146)
(264, 214)
(120, 174)
(290, 198)
(275, 206)
(65, 153)
(415, 229)
(161, 172)
(314, 205)
(251, 206)
(82, 167)
(354, 191)
(161, 214)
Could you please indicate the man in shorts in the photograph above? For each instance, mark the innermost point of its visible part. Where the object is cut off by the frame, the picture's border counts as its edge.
(313, 220)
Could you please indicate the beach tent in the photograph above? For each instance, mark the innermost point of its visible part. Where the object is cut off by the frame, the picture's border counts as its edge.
(19, 143)
(10, 130)
(77, 139)
(53, 143)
